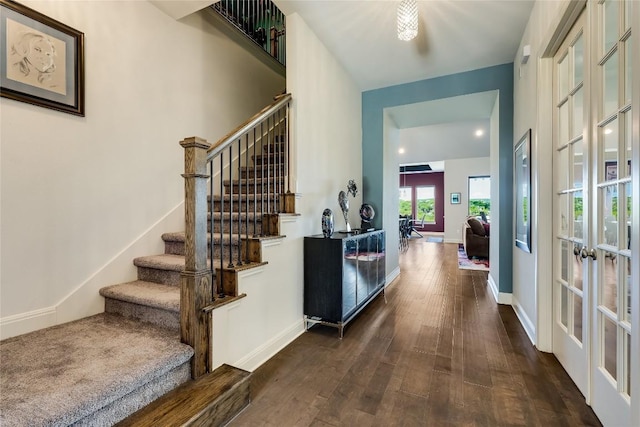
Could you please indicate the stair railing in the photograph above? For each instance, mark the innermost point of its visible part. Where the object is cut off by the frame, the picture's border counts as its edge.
(261, 21)
(249, 183)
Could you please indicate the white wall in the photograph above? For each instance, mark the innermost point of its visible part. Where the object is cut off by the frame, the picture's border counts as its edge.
(532, 110)
(81, 195)
(326, 128)
(456, 180)
(326, 145)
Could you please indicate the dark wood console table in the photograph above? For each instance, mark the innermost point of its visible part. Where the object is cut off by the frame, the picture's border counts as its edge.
(342, 274)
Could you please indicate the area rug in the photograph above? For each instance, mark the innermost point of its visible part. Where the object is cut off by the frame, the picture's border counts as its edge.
(434, 239)
(474, 263)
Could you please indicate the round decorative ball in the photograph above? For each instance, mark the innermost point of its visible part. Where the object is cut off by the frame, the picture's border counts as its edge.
(366, 212)
(327, 223)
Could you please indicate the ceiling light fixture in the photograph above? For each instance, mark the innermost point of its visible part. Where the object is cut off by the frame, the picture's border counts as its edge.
(401, 151)
(407, 20)
(608, 131)
(479, 132)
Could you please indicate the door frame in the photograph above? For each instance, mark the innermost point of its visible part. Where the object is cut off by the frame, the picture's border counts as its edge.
(543, 215)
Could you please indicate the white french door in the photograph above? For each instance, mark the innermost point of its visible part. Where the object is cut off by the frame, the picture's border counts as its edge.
(593, 205)
(611, 207)
(571, 219)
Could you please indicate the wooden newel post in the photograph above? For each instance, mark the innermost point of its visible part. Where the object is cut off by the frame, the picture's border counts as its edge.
(195, 287)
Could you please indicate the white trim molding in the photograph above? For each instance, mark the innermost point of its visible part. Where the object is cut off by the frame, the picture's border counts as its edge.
(266, 351)
(500, 297)
(23, 323)
(527, 324)
(392, 276)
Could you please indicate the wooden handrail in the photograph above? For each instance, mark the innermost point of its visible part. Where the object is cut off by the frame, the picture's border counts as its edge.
(224, 142)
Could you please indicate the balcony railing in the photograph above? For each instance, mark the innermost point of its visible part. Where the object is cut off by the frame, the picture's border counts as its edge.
(260, 20)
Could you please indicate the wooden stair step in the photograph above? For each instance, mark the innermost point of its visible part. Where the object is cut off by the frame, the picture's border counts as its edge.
(268, 158)
(144, 301)
(163, 268)
(254, 181)
(273, 147)
(150, 294)
(213, 399)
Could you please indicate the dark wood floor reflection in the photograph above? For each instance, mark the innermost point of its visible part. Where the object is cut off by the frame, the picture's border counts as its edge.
(440, 352)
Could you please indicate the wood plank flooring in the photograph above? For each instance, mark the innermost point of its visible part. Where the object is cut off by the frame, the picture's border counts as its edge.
(441, 352)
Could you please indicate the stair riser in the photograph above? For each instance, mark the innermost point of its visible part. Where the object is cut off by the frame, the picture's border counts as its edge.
(165, 277)
(177, 248)
(280, 185)
(257, 230)
(257, 206)
(269, 159)
(260, 173)
(164, 318)
(273, 148)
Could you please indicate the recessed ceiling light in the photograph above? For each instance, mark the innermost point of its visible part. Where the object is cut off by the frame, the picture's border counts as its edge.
(401, 151)
(608, 131)
(479, 132)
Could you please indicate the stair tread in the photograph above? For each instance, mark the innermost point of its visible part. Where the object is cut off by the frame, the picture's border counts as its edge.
(150, 294)
(217, 197)
(179, 236)
(61, 374)
(258, 181)
(193, 399)
(161, 262)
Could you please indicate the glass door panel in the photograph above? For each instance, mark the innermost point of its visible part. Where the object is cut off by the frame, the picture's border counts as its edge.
(570, 168)
(611, 219)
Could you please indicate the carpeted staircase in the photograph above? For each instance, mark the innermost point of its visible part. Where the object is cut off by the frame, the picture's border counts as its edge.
(101, 369)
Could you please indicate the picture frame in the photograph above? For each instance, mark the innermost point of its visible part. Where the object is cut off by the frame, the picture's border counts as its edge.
(455, 198)
(42, 60)
(611, 171)
(522, 192)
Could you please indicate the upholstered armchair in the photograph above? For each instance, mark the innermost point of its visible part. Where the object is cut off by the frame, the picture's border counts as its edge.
(475, 238)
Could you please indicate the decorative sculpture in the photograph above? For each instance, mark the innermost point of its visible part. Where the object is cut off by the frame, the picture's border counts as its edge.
(343, 201)
(327, 222)
(366, 215)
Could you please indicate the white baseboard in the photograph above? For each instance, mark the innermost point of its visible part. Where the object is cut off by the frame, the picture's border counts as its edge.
(85, 300)
(527, 324)
(256, 358)
(500, 297)
(22, 323)
(392, 276)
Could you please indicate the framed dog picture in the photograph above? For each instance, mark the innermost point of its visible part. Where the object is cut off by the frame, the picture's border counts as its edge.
(42, 60)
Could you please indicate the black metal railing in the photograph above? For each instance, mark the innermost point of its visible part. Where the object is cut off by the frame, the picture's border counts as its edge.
(249, 170)
(260, 20)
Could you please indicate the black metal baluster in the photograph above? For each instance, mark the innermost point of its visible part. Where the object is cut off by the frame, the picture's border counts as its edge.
(230, 265)
(268, 170)
(222, 195)
(262, 174)
(246, 193)
(286, 148)
(214, 292)
(239, 202)
(255, 185)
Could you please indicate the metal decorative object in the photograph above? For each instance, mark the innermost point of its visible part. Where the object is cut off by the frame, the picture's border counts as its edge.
(366, 215)
(352, 188)
(343, 201)
(327, 223)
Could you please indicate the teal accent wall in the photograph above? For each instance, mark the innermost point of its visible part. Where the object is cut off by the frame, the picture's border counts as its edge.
(499, 77)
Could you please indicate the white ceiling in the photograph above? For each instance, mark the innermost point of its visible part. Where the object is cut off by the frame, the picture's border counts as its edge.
(453, 36)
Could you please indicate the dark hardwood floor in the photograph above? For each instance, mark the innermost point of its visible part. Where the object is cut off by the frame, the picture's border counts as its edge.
(439, 352)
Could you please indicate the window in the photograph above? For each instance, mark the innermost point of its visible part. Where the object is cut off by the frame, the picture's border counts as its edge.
(480, 195)
(426, 204)
(405, 201)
